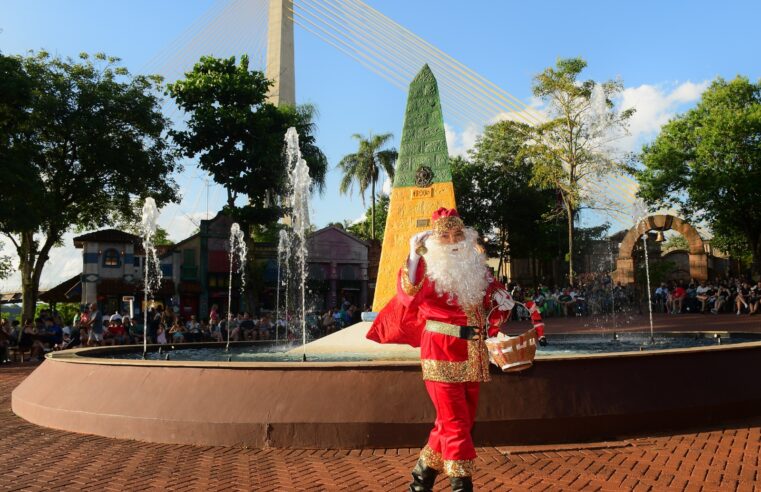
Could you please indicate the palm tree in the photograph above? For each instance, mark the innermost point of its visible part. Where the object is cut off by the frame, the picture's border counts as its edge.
(364, 167)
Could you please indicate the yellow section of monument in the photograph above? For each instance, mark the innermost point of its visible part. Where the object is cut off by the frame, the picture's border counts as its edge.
(409, 212)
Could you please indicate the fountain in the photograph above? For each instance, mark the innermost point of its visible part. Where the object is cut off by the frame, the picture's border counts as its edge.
(283, 258)
(638, 207)
(298, 202)
(237, 252)
(353, 393)
(152, 267)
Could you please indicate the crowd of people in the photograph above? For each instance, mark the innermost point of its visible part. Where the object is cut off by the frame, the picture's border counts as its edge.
(599, 295)
(736, 295)
(594, 295)
(92, 328)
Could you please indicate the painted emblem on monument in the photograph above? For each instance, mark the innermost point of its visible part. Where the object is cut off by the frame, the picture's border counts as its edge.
(423, 177)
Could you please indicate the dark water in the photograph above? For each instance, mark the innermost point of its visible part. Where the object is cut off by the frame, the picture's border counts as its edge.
(558, 345)
(597, 344)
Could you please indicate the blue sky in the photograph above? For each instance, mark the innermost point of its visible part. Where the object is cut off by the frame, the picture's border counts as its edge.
(665, 53)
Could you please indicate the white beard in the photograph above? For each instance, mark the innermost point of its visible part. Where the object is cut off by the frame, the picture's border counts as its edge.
(458, 270)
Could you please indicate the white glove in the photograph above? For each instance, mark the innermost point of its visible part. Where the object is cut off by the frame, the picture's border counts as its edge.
(415, 242)
(504, 300)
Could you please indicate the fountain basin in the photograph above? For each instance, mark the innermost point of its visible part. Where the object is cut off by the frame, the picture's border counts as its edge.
(384, 403)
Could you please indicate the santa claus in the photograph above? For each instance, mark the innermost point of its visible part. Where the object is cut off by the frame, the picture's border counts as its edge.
(447, 302)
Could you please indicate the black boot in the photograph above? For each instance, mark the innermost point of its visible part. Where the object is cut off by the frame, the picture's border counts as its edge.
(461, 484)
(423, 477)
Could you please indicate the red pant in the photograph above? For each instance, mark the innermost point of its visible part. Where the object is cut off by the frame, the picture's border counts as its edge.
(456, 405)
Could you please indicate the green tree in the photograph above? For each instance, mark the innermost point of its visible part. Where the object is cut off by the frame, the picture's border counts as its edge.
(363, 229)
(675, 242)
(571, 149)
(6, 266)
(706, 163)
(495, 193)
(238, 137)
(90, 140)
(364, 168)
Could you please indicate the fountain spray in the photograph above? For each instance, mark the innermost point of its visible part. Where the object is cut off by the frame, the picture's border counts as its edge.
(639, 212)
(298, 201)
(151, 264)
(237, 249)
(283, 256)
(647, 276)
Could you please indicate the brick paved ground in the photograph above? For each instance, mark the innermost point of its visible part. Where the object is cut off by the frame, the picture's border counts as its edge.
(35, 458)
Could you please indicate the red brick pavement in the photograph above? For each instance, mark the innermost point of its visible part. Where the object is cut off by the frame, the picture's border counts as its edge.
(35, 458)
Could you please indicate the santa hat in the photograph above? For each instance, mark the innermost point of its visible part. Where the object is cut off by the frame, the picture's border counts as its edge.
(446, 219)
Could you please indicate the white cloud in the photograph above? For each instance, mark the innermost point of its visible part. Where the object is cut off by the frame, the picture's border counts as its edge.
(655, 105)
(178, 224)
(460, 142)
(64, 263)
(358, 220)
(386, 188)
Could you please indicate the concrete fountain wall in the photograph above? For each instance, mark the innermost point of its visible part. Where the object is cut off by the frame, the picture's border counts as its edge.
(384, 404)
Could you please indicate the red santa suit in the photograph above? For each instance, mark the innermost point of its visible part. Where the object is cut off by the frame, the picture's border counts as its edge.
(453, 362)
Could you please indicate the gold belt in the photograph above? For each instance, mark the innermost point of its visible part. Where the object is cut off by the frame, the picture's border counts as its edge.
(464, 332)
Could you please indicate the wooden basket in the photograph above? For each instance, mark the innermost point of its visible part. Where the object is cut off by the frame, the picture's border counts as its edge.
(513, 354)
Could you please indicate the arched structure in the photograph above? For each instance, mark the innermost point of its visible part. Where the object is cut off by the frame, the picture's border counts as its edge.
(698, 257)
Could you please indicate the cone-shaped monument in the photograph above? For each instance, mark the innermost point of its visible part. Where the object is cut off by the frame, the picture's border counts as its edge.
(422, 181)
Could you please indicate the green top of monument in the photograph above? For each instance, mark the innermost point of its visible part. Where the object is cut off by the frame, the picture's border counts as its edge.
(423, 157)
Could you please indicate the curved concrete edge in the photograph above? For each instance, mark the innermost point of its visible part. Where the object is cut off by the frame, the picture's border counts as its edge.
(95, 355)
(557, 400)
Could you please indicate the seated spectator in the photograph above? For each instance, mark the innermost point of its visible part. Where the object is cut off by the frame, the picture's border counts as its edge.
(660, 297)
(217, 331)
(540, 300)
(115, 333)
(53, 333)
(580, 301)
(205, 330)
(567, 302)
(348, 316)
(265, 328)
(161, 334)
(676, 299)
(5, 341)
(743, 295)
(247, 327)
(234, 328)
(722, 296)
(755, 298)
(115, 317)
(691, 303)
(66, 339)
(193, 330)
(703, 294)
(328, 322)
(28, 341)
(177, 331)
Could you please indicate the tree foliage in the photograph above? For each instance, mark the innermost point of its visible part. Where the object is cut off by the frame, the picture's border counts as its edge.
(87, 140)
(496, 196)
(238, 137)
(364, 167)
(571, 149)
(362, 229)
(706, 163)
(675, 242)
(6, 266)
